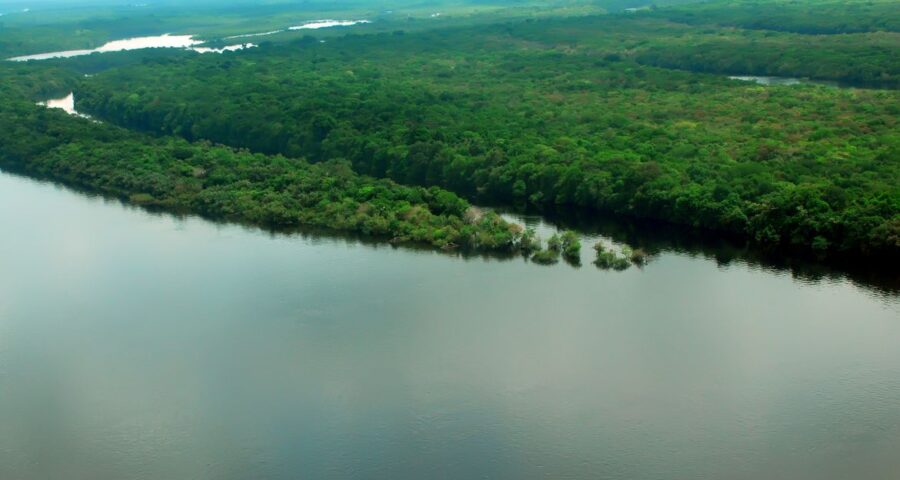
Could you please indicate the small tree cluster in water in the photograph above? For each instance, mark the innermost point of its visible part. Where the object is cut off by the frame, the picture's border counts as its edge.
(608, 259)
(567, 245)
(571, 246)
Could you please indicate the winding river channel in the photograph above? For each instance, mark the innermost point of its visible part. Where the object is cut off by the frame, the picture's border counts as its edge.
(146, 346)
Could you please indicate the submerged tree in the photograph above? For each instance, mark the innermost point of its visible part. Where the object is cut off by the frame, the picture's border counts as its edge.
(639, 257)
(530, 242)
(607, 259)
(554, 243)
(546, 257)
(571, 246)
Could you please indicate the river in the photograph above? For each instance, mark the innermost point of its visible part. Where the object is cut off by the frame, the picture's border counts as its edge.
(180, 41)
(137, 43)
(136, 345)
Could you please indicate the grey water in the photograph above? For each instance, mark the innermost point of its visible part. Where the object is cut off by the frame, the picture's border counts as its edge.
(136, 345)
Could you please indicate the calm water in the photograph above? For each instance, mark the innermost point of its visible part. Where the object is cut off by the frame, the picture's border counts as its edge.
(66, 104)
(787, 81)
(317, 24)
(181, 41)
(159, 41)
(142, 346)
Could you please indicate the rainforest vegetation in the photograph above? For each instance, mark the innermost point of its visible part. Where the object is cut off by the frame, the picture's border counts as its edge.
(808, 17)
(52, 25)
(631, 114)
(223, 183)
(520, 121)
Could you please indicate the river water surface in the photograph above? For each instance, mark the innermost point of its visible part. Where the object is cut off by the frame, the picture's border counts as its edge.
(138, 43)
(143, 346)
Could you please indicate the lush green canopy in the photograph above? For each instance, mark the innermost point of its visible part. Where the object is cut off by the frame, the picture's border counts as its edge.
(631, 114)
(515, 115)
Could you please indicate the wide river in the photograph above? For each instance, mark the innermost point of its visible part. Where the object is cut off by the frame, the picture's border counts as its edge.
(136, 345)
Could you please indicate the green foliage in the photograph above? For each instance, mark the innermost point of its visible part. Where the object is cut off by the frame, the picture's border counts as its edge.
(857, 59)
(555, 243)
(816, 17)
(546, 257)
(530, 242)
(806, 167)
(552, 114)
(222, 183)
(571, 246)
(609, 260)
(85, 26)
(639, 257)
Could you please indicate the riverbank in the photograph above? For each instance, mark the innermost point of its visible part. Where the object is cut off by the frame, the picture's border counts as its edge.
(226, 184)
(800, 168)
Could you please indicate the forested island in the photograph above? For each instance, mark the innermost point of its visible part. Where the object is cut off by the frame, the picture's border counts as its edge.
(631, 113)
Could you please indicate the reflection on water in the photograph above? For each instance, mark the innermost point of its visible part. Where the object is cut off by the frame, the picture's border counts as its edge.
(67, 104)
(159, 41)
(763, 80)
(314, 25)
(227, 48)
(247, 35)
(660, 238)
(145, 346)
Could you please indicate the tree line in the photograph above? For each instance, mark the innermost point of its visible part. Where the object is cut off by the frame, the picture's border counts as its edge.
(498, 117)
(236, 185)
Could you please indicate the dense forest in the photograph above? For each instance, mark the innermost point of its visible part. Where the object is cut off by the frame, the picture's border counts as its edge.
(53, 26)
(630, 114)
(863, 59)
(500, 117)
(859, 60)
(809, 17)
(222, 183)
